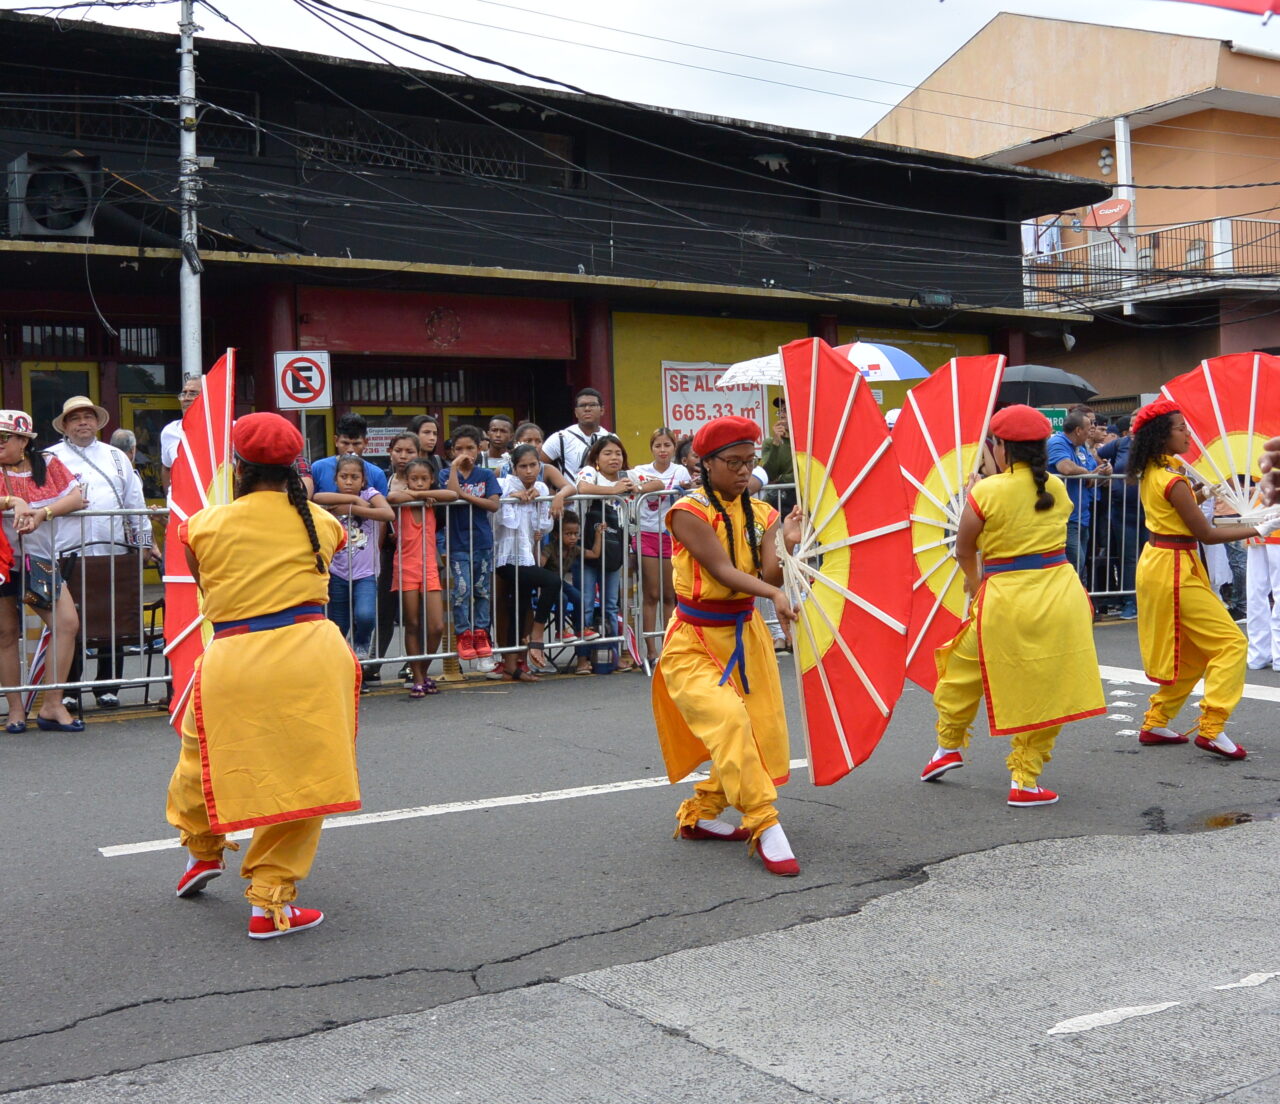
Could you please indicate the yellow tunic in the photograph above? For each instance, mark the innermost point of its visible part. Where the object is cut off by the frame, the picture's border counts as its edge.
(688, 702)
(274, 711)
(1184, 630)
(1172, 584)
(1034, 628)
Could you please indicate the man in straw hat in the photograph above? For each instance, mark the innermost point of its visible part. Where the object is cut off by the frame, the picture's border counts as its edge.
(105, 475)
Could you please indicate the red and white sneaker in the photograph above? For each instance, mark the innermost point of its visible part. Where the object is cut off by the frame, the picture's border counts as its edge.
(1205, 744)
(1025, 799)
(568, 635)
(495, 673)
(1152, 737)
(199, 876)
(300, 919)
(936, 768)
(466, 645)
(589, 633)
(480, 641)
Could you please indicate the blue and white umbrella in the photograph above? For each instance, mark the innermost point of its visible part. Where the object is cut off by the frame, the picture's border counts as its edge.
(877, 363)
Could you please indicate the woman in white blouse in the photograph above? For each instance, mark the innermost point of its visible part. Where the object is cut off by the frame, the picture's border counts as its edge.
(671, 479)
(524, 517)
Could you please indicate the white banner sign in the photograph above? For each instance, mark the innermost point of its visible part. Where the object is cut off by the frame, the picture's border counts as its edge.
(690, 397)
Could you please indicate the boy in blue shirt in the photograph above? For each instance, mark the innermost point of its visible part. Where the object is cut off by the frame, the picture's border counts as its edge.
(351, 434)
(467, 541)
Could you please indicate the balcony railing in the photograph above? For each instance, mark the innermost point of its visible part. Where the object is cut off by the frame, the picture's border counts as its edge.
(1155, 263)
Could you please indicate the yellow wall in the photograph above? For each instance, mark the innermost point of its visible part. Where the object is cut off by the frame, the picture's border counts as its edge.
(641, 342)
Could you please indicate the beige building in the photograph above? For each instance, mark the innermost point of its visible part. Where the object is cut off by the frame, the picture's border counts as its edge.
(1193, 269)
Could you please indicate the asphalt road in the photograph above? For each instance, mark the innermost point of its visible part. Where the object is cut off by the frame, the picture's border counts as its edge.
(104, 970)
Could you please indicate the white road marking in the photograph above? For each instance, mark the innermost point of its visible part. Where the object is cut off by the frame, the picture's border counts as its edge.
(1251, 980)
(418, 811)
(1119, 717)
(1126, 732)
(1111, 1016)
(1130, 675)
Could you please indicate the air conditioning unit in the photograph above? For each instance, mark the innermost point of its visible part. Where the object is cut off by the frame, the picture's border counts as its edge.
(52, 196)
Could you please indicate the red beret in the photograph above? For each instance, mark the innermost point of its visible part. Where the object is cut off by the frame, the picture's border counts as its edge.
(1020, 423)
(724, 433)
(266, 439)
(1152, 410)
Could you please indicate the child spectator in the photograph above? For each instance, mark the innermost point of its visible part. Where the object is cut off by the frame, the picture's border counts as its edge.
(353, 572)
(469, 547)
(415, 571)
(523, 519)
(529, 434)
(664, 475)
(563, 552)
(603, 474)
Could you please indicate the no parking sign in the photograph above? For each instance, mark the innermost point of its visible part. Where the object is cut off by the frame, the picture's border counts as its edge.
(303, 381)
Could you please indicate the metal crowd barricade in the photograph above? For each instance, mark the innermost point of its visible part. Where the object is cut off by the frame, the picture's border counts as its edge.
(1105, 536)
(474, 594)
(118, 618)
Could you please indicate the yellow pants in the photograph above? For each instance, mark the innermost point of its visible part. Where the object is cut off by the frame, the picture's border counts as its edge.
(1210, 644)
(279, 855)
(957, 697)
(738, 776)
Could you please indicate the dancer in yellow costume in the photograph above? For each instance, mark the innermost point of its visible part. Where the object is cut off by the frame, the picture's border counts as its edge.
(1028, 645)
(716, 693)
(268, 739)
(1184, 630)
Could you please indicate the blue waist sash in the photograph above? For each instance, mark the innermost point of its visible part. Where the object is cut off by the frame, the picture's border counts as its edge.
(1032, 561)
(735, 612)
(278, 620)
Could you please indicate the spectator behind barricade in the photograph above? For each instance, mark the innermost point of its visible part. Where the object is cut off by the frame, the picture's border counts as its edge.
(529, 434)
(469, 547)
(603, 473)
(353, 572)
(1069, 455)
(564, 550)
(498, 442)
(350, 435)
(1121, 505)
(523, 520)
(415, 568)
(776, 459)
(568, 447)
(669, 480)
(171, 434)
(37, 488)
(686, 457)
(94, 552)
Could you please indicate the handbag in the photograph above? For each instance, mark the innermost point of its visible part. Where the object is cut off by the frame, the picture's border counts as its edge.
(92, 581)
(41, 585)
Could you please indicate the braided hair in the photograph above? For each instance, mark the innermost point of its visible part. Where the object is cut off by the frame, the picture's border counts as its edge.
(753, 538)
(1034, 455)
(1150, 446)
(251, 475)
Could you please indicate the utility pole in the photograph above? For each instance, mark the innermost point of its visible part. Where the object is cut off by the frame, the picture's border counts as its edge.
(1124, 190)
(188, 190)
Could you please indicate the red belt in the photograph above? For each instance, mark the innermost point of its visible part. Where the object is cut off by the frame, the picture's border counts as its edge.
(1169, 540)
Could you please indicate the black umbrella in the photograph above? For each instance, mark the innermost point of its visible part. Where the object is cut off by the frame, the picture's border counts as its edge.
(1041, 385)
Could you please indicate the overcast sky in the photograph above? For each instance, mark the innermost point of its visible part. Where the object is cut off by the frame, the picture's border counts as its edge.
(869, 52)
